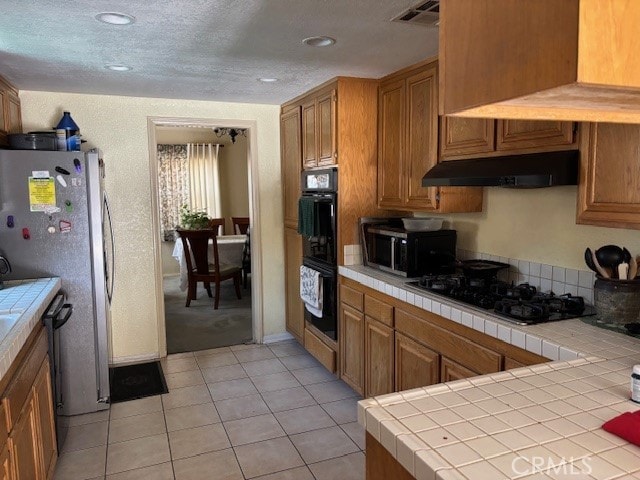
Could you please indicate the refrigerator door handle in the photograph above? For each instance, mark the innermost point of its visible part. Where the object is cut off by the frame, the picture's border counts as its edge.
(109, 280)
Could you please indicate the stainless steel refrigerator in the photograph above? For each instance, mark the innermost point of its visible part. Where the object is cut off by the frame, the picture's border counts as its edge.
(54, 222)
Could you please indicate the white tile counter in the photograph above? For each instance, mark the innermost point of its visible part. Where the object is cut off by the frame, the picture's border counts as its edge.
(536, 422)
(22, 304)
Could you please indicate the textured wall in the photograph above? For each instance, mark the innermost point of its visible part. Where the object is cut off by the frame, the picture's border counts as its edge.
(234, 181)
(538, 225)
(118, 125)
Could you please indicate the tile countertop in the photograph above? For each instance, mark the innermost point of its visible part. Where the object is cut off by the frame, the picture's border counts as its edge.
(540, 422)
(22, 304)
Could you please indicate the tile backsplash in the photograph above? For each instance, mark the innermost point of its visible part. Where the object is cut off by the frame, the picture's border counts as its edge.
(544, 277)
(353, 254)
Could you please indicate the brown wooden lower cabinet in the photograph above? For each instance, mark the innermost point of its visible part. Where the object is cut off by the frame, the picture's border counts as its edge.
(293, 259)
(380, 464)
(510, 363)
(388, 345)
(450, 370)
(352, 351)
(379, 357)
(416, 365)
(325, 354)
(6, 467)
(23, 443)
(44, 401)
(30, 453)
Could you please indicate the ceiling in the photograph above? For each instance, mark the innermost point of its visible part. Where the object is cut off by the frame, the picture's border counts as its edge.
(205, 49)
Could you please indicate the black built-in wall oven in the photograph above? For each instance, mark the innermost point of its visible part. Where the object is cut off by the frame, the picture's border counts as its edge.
(319, 249)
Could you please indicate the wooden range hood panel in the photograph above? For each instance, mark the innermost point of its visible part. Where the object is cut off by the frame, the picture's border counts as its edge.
(541, 59)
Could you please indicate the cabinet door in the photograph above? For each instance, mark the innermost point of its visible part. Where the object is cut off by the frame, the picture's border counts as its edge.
(46, 426)
(291, 165)
(533, 134)
(3, 101)
(451, 370)
(510, 363)
(609, 187)
(379, 358)
(293, 260)
(327, 152)
(391, 122)
(416, 365)
(6, 466)
(466, 136)
(352, 347)
(309, 146)
(421, 147)
(13, 118)
(24, 444)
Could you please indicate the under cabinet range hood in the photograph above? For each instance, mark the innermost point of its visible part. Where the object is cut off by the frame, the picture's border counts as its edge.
(544, 59)
(533, 170)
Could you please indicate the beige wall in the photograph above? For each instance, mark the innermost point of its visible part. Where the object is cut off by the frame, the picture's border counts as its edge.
(169, 264)
(234, 181)
(538, 225)
(118, 125)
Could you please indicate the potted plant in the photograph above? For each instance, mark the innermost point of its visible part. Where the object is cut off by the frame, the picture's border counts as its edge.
(193, 219)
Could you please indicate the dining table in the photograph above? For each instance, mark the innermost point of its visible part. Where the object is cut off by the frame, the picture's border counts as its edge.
(230, 249)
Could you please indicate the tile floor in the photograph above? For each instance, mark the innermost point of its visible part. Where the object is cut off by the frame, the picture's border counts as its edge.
(248, 411)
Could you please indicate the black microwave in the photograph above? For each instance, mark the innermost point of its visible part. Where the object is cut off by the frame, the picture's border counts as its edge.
(407, 253)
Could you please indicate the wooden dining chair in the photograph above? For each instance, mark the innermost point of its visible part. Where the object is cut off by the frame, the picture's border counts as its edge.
(219, 223)
(202, 268)
(240, 225)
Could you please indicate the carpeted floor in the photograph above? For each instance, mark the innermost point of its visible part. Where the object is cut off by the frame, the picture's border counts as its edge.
(199, 326)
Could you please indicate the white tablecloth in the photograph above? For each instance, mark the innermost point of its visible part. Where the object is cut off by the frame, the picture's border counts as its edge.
(229, 252)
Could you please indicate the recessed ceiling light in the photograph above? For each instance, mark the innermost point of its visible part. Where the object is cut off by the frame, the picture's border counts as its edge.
(115, 18)
(267, 80)
(321, 41)
(118, 67)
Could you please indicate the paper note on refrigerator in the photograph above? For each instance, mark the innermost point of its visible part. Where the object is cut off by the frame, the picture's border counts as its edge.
(42, 193)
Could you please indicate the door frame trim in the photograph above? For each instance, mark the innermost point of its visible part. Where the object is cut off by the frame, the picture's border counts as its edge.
(257, 303)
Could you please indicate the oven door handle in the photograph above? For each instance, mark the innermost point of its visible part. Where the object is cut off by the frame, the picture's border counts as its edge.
(59, 322)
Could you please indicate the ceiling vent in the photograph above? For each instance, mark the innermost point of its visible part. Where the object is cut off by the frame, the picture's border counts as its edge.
(424, 13)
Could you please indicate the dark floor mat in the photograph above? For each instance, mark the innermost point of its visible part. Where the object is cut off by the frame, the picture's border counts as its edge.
(136, 381)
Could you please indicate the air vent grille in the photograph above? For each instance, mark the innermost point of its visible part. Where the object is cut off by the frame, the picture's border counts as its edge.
(424, 13)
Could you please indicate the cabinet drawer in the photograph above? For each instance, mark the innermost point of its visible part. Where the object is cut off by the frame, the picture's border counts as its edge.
(320, 350)
(352, 297)
(20, 386)
(451, 371)
(378, 310)
(461, 350)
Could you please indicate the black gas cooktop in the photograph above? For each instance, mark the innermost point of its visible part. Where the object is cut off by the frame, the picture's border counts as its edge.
(522, 304)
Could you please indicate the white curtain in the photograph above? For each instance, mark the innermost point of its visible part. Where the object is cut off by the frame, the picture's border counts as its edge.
(204, 178)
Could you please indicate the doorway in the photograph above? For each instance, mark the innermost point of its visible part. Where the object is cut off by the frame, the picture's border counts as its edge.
(200, 326)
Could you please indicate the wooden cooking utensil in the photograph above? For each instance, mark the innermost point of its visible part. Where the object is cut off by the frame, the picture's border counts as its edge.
(623, 271)
(603, 273)
(633, 268)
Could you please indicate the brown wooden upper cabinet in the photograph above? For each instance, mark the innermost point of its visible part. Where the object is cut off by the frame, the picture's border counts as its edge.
(543, 59)
(482, 137)
(10, 117)
(466, 136)
(609, 188)
(408, 145)
(319, 130)
(290, 147)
